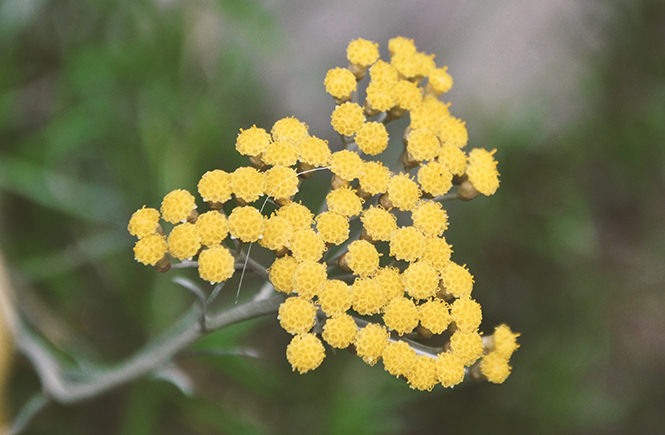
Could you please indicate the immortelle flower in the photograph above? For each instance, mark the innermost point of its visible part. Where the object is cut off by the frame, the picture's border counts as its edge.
(407, 94)
(281, 273)
(335, 297)
(305, 352)
(383, 73)
(216, 264)
(362, 258)
(277, 232)
(297, 315)
(368, 297)
(467, 346)
(215, 187)
(346, 164)
(504, 341)
(380, 96)
(280, 153)
(421, 281)
(453, 158)
(372, 138)
(401, 45)
(309, 278)
(390, 281)
(482, 172)
(401, 315)
(437, 253)
(434, 315)
(371, 342)
(246, 223)
(299, 215)
(457, 280)
(449, 369)
(439, 81)
(332, 227)
(429, 114)
(248, 184)
(380, 224)
(407, 243)
(289, 129)
(347, 119)
(184, 241)
(144, 222)
(213, 227)
(423, 375)
(340, 82)
(374, 178)
(306, 244)
(467, 314)
(398, 358)
(422, 144)
(314, 151)
(253, 141)
(495, 367)
(403, 192)
(436, 178)
(150, 249)
(340, 331)
(429, 218)
(178, 206)
(344, 201)
(452, 131)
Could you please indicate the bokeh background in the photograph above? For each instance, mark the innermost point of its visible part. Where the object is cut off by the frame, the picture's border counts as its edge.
(107, 105)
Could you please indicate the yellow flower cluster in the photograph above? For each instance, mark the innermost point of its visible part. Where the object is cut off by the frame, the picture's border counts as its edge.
(418, 291)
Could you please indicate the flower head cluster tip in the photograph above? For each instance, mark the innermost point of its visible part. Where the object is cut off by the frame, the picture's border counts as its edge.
(413, 288)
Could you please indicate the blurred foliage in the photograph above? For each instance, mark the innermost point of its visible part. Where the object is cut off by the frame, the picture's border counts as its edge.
(106, 106)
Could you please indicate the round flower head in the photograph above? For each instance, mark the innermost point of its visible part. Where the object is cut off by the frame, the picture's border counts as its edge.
(184, 241)
(143, 222)
(425, 64)
(305, 352)
(401, 45)
(177, 206)
(403, 192)
(368, 297)
(430, 218)
(504, 341)
(467, 314)
(307, 245)
(280, 153)
(401, 315)
(383, 73)
(332, 227)
(340, 82)
(362, 52)
(423, 374)
(420, 280)
(452, 131)
(282, 272)
(346, 164)
(344, 201)
(467, 346)
(449, 369)
(406, 64)
(289, 130)
(215, 186)
(246, 223)
(297, 315)
(439, 81)
(495, 368)
(296, 213)
(277, 232)
(362, 258)
(340, 331)
(372, 138)
(374, 178)
(314, 151)
(407, 95)
(371, 342)
(437, 253)
(253, 141)
(398, 358)
(309, 279)
(380, 96)
(435, 178)
(379, 223)
(482, 172)
(457, 280)
(213, 227)
(150, 249)
(452, 158)
(347, 119)
(248, 184)
(434, 316)
(423, 145)
(390, 281)
(407, 243)
(281, 182)
(216, 264)
(335, 298)
(429, 114)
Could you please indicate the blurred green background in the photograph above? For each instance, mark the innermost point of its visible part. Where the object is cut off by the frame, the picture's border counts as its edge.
(107, 105)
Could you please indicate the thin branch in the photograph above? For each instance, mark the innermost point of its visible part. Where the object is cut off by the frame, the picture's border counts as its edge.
(38, 402)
